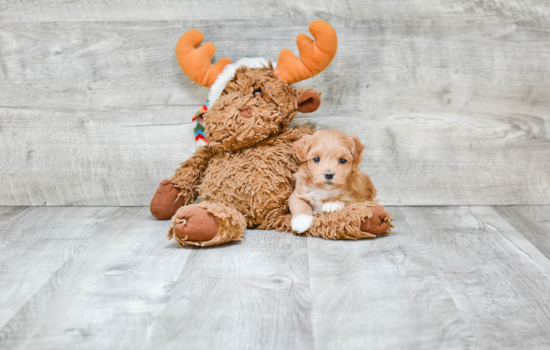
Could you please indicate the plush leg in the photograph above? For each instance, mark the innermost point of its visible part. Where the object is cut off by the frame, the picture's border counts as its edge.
(354, 221)
(166, 201)
(207, 224)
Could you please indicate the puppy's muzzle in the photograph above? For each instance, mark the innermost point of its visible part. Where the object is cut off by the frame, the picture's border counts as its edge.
(329, 175)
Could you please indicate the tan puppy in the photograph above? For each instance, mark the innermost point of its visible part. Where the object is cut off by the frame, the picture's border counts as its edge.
(329, 177)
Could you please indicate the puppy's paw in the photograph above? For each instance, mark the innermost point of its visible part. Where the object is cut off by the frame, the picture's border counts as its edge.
(301, 223)
(329, 207)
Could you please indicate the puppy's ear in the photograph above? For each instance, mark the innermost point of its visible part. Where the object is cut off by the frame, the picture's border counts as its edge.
(356, 147)
(308, 100)
(302, 147)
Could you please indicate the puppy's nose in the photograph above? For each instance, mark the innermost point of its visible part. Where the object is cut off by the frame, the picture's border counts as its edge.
(329, 175)
(245, 112)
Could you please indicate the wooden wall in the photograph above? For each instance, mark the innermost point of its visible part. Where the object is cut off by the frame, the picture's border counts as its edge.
(451, 97)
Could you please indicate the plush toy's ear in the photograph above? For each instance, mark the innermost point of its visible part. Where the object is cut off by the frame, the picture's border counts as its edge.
(309, 100)
(302, 147)
(356, 147)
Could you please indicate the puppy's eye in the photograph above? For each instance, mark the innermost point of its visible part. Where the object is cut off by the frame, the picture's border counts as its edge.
(257, 92)
(316, 159)
(343, 161)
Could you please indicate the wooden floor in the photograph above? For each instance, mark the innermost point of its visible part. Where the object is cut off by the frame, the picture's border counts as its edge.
(106, 277)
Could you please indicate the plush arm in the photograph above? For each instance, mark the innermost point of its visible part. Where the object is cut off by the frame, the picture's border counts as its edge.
(188, 175)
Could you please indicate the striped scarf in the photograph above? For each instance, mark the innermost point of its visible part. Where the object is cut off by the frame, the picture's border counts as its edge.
(198, 126)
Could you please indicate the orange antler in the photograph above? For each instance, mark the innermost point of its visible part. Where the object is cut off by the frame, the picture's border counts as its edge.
(196, 62)
(315, 56)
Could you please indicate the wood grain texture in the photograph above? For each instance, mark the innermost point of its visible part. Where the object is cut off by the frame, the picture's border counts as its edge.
(448, 277)
(532, 221)
(34, 244)
(247, 295)
(498, 280)
(7, 213)
(381, 294)
(90, 157)
(59, 10)
(452, 109)
(106, 294)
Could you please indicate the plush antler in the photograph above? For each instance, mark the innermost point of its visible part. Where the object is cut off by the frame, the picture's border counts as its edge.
(315, 56)
(195, 62)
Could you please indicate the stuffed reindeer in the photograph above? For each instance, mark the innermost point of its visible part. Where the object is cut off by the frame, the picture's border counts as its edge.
(243, 170)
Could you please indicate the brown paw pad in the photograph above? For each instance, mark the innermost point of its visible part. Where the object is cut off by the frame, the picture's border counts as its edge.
(199, 224)
(165, 202)
(379, 223)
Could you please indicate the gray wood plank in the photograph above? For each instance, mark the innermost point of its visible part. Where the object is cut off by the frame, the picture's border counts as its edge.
(8, 213)
(532, 221)
(448, 277)
(249, 295)
(106, 295)
(59, 10)
(452, 111)
(498, 280)
(428, 65)
(90, 157)
(35, 244)
(381, 294)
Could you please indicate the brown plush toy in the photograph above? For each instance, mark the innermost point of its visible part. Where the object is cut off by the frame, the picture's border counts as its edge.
(243, 172)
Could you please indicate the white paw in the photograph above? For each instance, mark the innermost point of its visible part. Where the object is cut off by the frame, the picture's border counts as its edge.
(301, 223)
(329, 207)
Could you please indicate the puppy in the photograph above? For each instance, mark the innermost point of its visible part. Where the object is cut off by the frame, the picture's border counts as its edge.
(329, 177)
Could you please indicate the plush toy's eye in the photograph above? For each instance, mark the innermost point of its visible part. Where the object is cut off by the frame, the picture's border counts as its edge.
(257, 92)
(343, 161)
(316, 159)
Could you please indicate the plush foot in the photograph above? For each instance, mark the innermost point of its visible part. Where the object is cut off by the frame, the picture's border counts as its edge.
(196, 224)
(207, 224)
(379, 223)
(165, 202)
(349, 222)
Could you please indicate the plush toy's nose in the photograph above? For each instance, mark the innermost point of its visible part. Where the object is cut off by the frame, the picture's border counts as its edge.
(245, 112)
